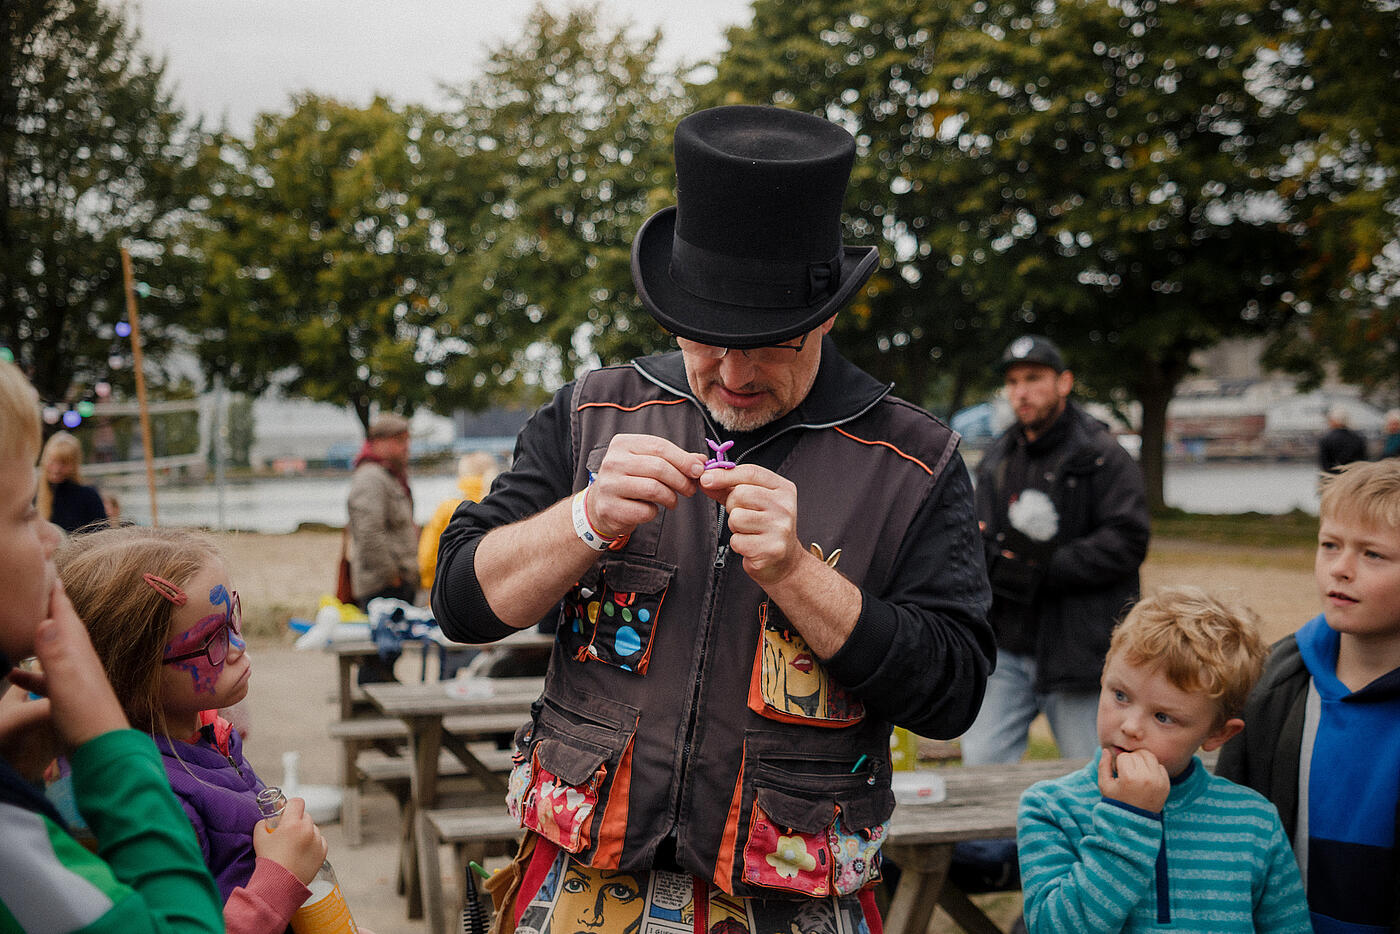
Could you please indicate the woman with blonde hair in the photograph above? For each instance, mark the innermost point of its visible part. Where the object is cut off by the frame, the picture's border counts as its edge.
(63, 499)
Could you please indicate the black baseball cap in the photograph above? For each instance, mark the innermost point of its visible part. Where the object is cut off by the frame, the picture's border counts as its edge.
(1032, 348)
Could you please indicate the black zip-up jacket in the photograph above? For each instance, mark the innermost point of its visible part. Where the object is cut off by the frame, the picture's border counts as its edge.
(680, 703)
(1088, 573)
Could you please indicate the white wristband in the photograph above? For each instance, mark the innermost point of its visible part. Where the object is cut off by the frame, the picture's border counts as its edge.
(583, 528)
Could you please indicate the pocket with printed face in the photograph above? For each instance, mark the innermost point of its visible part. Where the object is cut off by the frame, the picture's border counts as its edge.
(790, 684)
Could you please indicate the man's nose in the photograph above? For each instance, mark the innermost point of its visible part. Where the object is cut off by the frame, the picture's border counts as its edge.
(735, 368)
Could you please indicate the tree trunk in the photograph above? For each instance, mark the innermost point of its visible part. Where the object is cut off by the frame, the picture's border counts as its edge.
(1154, 392)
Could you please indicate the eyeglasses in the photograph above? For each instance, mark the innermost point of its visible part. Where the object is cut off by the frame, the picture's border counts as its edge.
(773, 353)
(216, 647)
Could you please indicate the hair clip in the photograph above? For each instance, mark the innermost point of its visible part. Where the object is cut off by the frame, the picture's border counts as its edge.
(719, 460)
(166, 589)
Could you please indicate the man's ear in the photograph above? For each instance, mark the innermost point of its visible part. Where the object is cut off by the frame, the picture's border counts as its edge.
(826, 325)
(1220, 737)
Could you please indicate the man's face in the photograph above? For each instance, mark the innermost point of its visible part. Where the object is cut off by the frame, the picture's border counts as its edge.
(1358, 576)
(394, 449)
(1037, 395)
(743, 395)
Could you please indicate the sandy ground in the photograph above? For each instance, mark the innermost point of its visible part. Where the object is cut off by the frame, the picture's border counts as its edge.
(291, 698)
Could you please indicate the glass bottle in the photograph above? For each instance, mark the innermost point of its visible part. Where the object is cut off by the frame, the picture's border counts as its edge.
(324, 911)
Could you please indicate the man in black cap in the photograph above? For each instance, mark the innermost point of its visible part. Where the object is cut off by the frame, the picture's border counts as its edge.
(759, 559)
(1064, 520)
(1065, 523)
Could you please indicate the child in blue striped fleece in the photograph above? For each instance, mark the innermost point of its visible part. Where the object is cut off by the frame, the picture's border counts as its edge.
(1143, 837)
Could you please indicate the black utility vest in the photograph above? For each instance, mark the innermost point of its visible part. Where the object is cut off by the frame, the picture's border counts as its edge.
(680, 702)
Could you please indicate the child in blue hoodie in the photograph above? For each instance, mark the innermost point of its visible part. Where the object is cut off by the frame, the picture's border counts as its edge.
(1323, 742)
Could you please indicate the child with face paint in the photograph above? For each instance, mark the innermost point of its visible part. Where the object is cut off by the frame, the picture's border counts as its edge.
(147, 874)
(167, 624)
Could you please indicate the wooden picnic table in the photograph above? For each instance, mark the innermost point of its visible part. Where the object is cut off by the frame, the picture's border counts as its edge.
(423, 707)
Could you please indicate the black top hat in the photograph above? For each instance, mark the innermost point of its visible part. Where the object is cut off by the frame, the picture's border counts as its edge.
(751, 254)
(1032, 348)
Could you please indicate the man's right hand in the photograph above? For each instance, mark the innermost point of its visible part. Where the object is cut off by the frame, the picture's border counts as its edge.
(639, 476)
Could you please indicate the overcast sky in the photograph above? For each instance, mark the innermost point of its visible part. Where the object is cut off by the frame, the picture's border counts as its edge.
(233, 59)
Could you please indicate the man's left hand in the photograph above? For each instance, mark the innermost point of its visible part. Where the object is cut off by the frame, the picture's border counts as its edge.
(762, 510)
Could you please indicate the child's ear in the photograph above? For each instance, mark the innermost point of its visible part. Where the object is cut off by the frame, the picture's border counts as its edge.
(1217, 739)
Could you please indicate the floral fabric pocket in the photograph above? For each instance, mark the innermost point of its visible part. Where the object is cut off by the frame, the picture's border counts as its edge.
(788, 846)
(563, 793)
(855, 854)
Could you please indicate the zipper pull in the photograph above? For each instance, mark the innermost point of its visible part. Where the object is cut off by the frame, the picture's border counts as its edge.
(721, 556)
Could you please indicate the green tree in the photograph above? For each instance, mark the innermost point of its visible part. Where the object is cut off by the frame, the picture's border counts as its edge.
(93, 155)
(1108, 170)
(325, 262)
(931, 318)
(1345, 181)
(565, 145)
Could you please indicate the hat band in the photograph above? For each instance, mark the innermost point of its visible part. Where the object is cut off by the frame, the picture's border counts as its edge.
(754, 283)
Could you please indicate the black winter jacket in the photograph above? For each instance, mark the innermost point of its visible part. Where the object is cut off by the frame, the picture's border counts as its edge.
(1087, 575)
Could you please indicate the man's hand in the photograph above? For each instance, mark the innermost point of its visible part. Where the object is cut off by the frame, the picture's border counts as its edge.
(762, 519)
(639, 476)
(1135, 778)
(82, 704)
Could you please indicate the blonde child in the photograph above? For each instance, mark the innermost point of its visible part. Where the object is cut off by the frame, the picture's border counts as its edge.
(147, 874)
(1143, 838)
(1324, 736)
(166, 622)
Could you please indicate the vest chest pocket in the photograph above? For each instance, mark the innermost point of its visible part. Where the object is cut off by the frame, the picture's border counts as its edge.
(611, 615)
(788, 683)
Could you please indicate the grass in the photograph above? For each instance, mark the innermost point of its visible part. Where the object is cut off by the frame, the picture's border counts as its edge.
(1249, 529)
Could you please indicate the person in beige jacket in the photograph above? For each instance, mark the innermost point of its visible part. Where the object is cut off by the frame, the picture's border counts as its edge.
(383, 547)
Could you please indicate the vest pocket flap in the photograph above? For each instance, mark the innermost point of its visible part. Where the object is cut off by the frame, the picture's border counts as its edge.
(862, 811)
(572, 761)
(799, 813)
(631, 577)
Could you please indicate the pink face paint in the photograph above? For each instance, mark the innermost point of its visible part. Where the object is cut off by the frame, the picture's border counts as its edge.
(196, 649)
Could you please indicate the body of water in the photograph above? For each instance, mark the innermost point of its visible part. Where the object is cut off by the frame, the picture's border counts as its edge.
(281, 504)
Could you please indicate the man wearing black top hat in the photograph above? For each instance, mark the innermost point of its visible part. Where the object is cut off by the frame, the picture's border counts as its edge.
(760, 559)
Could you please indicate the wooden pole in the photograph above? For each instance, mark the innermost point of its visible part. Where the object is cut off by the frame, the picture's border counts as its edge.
(137, 362)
